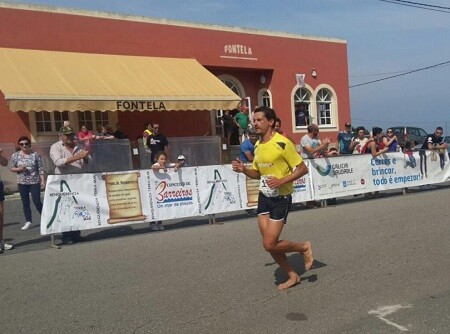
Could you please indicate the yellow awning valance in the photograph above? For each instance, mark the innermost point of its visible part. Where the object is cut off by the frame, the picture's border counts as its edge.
(34, 80)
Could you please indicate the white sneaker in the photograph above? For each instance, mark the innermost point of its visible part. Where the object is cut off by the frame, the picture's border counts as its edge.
(26, 226)
(154, 227)
(5, 246)
(160, 227)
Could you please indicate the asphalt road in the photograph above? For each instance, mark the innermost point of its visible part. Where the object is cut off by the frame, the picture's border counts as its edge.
(382, 266)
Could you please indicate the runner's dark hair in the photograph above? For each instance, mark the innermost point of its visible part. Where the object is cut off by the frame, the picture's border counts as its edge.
(269, 113)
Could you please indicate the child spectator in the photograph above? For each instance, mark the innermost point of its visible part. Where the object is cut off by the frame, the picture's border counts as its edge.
(162, 165)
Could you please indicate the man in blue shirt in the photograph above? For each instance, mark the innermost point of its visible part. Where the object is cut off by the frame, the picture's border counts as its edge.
(344, 139)
(248, 147)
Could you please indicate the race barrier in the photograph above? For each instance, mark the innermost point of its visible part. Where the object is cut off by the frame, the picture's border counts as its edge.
(97, 200)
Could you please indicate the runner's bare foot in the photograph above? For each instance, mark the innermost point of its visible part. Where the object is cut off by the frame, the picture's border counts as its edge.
(308, 257)
(289, 283)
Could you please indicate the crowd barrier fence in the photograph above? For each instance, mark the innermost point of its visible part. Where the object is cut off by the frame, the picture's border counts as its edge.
(98, 200)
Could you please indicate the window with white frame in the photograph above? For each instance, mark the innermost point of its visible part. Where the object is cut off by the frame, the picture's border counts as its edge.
(302, 104)
(324, 107)
(264, 98)
(48, 122)
(91, 119)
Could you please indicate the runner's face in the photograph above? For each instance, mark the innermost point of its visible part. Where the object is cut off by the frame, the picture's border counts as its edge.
(261, 123)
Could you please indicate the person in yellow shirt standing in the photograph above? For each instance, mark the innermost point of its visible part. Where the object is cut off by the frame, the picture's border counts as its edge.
(148, 131)
(277, 164)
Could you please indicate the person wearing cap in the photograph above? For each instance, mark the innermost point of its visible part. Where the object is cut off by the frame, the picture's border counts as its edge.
(344, 139)
(182, 161)
(68, 159)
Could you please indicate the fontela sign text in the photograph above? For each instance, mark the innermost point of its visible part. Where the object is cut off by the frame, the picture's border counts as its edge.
(140, 105)
(237, 49)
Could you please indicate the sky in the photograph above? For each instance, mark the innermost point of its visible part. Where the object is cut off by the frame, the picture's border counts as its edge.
(383, 39)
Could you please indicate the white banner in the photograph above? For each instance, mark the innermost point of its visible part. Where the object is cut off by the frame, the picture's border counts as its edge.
(357, 174)
(88, 201)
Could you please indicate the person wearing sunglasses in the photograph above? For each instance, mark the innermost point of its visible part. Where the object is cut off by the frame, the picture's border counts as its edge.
(30, 178)
(390, 141)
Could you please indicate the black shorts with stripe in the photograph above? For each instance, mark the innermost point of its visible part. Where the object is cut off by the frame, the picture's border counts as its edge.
(276, 207)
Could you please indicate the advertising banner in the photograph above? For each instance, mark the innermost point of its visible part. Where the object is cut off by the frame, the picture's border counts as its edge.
(88, 201)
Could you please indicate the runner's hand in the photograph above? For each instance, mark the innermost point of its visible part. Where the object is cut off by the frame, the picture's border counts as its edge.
(237, 166)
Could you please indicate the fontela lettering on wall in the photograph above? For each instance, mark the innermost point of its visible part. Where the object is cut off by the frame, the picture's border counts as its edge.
(237, 49)
(140, 105)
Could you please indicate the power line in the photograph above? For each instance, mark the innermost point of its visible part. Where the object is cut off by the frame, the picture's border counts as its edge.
(419, 5)
(402, 74)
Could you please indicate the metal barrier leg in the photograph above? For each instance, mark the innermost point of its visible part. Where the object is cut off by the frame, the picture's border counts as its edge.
(53, 245)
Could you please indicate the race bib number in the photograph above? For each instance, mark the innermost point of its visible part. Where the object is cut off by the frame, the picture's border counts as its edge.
(264, 188)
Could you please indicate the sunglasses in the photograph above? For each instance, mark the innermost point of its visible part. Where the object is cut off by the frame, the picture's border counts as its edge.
(390, 131)
(24, 144)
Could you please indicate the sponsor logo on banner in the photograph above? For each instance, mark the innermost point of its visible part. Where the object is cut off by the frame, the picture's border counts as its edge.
(300, 184)
(219, 189)
(342, 168)
(66, 207)
(349, 183)
(324, 171)
(168, 193)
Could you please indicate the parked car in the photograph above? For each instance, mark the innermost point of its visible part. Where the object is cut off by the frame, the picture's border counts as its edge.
(406, 133)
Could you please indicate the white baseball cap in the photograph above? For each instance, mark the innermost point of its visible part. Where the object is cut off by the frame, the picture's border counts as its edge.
(181, 157)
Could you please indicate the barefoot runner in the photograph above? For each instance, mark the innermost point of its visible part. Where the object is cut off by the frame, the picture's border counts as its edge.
(277, 164)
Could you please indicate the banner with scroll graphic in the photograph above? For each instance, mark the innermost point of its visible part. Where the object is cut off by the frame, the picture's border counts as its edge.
(89, 201)
(124, 198)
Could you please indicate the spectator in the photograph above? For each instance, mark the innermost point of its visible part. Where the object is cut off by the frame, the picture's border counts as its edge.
(148, 131)
(248, 147)
(435, 142)
(228, 124)
(68, 160)
(359, 142)
(281, 132)
(162, 164)
(301, 115)
(30, 178)
(390, 141)
(119, 133)
(311, 145)
(157, 142)
(241, 120)
(373, 145)
(85, 137)
(102, 133)
(3, 245)
(332, 151)
(182, 161)
(344, 139)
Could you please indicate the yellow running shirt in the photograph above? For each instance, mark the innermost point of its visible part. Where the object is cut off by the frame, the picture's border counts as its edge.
(277, 157)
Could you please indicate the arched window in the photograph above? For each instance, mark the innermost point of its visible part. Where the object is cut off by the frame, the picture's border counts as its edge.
(233, 83)
(302, 105)
(265, 98)
(324, 107)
